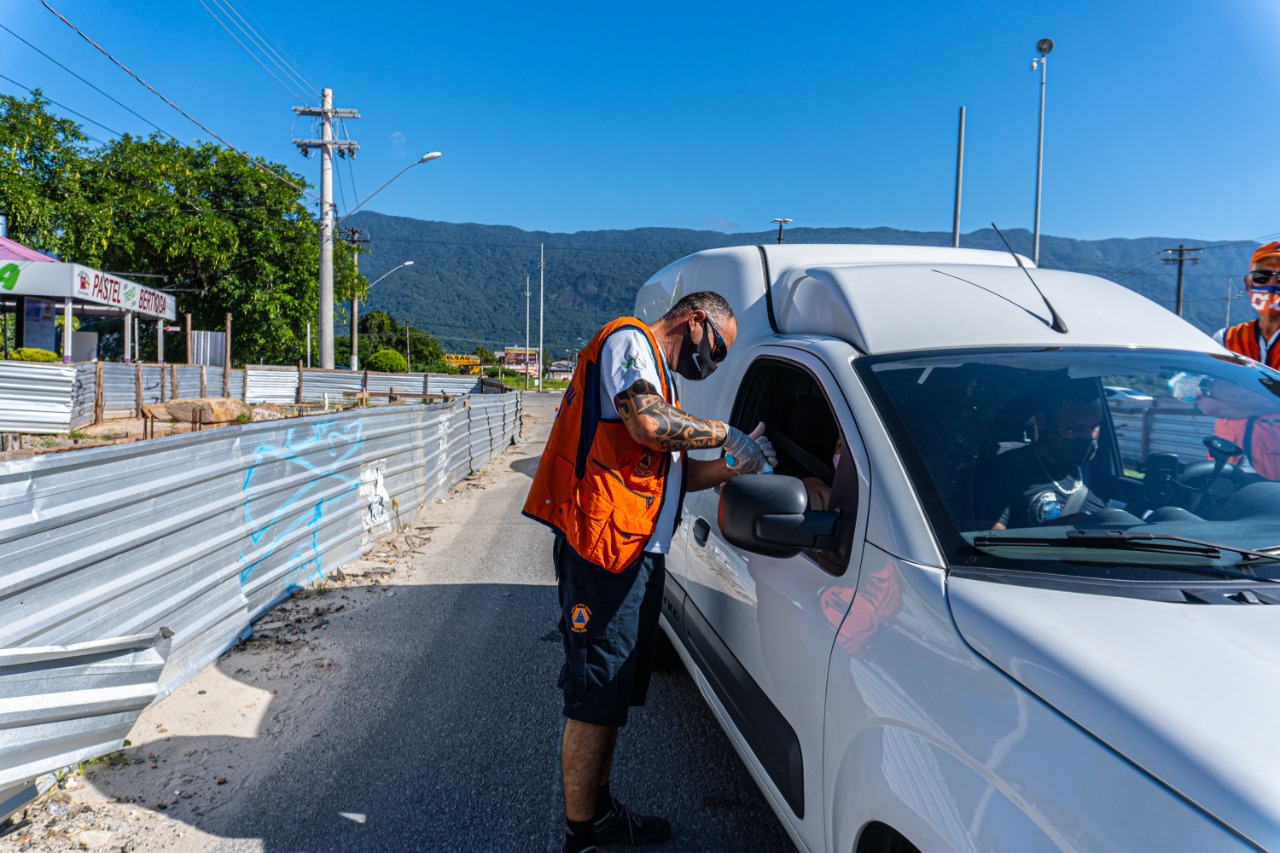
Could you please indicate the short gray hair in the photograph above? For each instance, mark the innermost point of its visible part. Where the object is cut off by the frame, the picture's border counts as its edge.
(713, 304)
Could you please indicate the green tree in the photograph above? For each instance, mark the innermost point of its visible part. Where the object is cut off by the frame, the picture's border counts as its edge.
(239, 238)
(386, 361)
(485, 355)
(42, 162)
(231, 236)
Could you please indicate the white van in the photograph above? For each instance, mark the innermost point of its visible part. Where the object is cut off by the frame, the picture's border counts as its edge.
(900, 670)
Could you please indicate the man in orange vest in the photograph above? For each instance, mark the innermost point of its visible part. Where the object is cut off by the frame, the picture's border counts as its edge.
(1257, 339)
(610, 484)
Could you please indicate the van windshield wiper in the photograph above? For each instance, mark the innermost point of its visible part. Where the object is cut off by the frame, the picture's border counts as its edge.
(1135, 538)
(1130, 540)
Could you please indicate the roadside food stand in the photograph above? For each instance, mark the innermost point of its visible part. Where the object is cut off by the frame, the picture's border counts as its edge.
(35, 287)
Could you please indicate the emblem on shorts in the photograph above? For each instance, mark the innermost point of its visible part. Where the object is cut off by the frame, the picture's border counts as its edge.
(579, 616)
(629, 364)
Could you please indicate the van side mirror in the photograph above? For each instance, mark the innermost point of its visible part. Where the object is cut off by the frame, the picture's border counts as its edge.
(766, 514)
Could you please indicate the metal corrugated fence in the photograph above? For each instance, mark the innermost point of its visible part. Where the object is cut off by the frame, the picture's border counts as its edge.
(199, 533)
(119, 389)
(317, 384)
(36, 397)
(271, 385)
(1179, 430)
(454, 386)
(62, 704)
(189, 382)
(85, 395)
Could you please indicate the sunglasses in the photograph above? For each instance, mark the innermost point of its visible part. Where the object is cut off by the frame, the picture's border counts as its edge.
(718, 349)
(1262, 277)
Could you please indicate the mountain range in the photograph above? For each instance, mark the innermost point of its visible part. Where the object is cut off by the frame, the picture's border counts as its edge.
(467, 283)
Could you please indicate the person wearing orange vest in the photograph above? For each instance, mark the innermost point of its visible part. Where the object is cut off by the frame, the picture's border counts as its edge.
(610, 484)
(1257, 339)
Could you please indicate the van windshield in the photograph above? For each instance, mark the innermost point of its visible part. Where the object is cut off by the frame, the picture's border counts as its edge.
(1015, 452)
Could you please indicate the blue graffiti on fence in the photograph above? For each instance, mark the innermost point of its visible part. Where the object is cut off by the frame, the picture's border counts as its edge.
(273, 524)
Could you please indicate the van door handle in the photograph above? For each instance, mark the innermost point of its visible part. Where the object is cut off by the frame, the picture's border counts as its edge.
(701, 530)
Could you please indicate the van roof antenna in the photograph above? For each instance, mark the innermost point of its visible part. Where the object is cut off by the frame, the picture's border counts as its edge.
(1057, 325)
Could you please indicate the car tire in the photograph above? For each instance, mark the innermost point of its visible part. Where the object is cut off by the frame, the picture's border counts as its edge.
(665, 656)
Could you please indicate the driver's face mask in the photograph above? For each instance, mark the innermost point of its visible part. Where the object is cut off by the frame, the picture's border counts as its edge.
(1077, 451)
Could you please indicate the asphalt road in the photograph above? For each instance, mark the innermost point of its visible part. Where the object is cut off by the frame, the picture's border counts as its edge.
(446, 735)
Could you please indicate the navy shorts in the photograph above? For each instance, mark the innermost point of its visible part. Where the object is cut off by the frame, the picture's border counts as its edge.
(610, 627)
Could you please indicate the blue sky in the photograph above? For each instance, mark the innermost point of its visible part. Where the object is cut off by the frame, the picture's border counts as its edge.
(583, 116)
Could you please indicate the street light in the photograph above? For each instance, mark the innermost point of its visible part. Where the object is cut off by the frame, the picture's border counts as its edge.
(326, 259)
(423, 159)
(1043, 47)
(355, 320)
(780, 223)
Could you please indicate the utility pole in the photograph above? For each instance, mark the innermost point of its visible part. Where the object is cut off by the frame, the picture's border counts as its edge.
(955, 219)
(407, 362)
(542, 265)
(1226, 323)
(1184, 257)
(355, 236)
(327, 145)
(526, 333)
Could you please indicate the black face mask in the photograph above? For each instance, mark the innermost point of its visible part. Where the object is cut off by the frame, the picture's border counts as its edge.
(696, 365)
(1077, 451)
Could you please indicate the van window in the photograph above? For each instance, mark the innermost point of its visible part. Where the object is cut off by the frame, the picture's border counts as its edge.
(1014, 452)
(801, 423)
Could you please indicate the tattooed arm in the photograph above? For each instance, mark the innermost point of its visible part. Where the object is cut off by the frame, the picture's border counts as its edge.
(654, 422)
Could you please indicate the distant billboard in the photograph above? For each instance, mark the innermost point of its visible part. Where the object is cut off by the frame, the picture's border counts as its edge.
(520, 356)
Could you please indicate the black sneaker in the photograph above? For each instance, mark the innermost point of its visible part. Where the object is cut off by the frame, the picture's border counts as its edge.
(623, 826)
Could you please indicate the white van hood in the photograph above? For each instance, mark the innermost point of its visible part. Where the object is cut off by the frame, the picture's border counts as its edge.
(1190, 693)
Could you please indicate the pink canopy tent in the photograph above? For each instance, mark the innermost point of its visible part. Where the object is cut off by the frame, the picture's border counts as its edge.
(11, 250)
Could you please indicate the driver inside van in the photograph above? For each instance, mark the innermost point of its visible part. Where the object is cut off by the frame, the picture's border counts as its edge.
(1047, 481)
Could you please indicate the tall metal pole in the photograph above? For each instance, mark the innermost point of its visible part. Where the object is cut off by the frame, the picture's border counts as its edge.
(542, 265)
(1226, 322)
(327, 144)
(355, 319)
(1043, 46)
(955, 219)
(526, 333)
(407, 363)
(326, 230)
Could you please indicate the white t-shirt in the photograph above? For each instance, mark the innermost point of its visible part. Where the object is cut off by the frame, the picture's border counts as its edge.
(625, 358)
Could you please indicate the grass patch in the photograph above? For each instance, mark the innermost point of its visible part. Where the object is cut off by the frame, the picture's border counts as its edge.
(516, 383)
(244, 418)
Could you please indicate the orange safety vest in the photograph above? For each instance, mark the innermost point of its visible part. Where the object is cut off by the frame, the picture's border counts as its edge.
(1260, 437)
(595, 484)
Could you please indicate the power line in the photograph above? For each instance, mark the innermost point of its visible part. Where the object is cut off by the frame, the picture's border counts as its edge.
(68, 109)
(86, 82)
(255, 163)
(283, 64)
(291, 91)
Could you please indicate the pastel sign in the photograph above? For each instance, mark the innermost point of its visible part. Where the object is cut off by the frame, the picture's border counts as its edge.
(105, 288)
